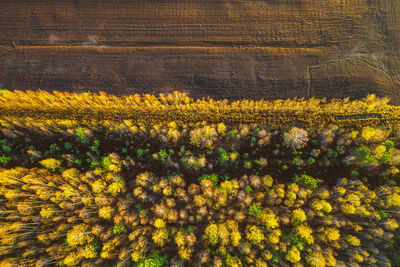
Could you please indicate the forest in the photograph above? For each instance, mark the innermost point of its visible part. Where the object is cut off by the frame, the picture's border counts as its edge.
(141, 180)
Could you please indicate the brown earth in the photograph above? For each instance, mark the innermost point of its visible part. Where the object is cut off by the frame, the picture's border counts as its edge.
(224, 49)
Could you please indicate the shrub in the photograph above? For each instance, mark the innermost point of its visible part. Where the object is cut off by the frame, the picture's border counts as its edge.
(353, 240)
(315, 259)
(82, 135)
(51, 164)
(306, 181)
(255, 210)
(370, 134)
(295, 138)
(211, 233)
(363, 154)
(4, 160)
(155, 260)
(304, 232)
(298, 216)
(119, 228)
(269, 219)
(212, 177)
(254, 234)
(293, 255)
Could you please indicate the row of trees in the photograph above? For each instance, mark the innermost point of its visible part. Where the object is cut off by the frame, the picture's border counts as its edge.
(370, 111)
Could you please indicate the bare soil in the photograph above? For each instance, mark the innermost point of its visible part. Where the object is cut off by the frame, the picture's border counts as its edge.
(219, 48)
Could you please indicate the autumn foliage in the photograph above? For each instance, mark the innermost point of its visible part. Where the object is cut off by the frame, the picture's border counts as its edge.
(145, 181)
